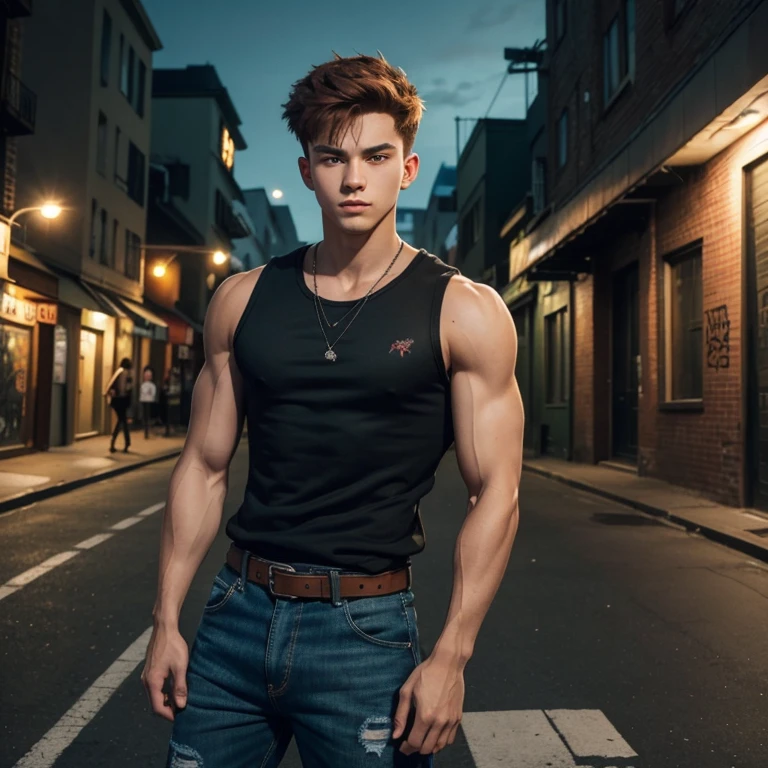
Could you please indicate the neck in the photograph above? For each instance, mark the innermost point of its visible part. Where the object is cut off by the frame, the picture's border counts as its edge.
(357, 258)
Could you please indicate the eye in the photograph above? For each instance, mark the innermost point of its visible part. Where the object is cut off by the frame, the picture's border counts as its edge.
(383, 157)
(326, 159)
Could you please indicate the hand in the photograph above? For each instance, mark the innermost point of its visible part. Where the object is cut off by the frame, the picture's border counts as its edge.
(436, 690)
(167, 656)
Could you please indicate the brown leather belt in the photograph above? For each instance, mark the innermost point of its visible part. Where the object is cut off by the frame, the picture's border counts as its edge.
(283, 581)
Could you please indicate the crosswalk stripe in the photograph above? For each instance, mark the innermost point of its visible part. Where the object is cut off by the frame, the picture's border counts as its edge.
(556, 738)
(45, 753)
(589, 733)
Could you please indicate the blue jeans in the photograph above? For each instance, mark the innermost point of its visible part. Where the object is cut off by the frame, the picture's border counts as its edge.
(264, 669)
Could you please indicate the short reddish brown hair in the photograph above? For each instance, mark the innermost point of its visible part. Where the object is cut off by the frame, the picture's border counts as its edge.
(334, 94)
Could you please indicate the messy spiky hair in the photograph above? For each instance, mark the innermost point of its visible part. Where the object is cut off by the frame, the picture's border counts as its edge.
(334, 94)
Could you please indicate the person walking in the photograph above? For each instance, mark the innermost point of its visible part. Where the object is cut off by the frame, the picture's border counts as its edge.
(357, 361)
(119, 391)
(147, 396)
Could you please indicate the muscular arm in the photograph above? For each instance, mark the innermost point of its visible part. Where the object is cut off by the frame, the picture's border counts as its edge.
(198, 484)
(488, 424)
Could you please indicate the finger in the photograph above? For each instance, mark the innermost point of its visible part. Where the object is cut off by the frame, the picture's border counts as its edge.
(430, 740)
(158, 699)
(401, 713)
(416, 736)
(442, 740)
(454, 731)
(180, 686)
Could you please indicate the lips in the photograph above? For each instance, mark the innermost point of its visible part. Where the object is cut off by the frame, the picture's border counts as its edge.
(355, 204)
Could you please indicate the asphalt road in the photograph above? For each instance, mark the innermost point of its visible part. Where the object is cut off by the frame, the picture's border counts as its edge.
(654, 631)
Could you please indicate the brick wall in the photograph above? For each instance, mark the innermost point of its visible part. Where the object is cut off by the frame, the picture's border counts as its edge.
(583, 371)
(576, 67)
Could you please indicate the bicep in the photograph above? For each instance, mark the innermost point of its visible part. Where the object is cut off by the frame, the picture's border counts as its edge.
(486, 403)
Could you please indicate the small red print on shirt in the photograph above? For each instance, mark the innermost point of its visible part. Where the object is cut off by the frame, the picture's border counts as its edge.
(401, 346)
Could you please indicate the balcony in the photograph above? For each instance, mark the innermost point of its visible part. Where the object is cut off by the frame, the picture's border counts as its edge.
(14, 9)
(19, 106)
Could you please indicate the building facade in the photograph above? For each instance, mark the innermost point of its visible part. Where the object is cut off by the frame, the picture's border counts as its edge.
(657, 168)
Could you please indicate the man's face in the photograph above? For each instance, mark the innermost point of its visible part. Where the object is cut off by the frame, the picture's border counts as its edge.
(368, 166)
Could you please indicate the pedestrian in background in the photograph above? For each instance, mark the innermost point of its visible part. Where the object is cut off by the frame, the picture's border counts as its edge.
(119, 391)
(147, 396)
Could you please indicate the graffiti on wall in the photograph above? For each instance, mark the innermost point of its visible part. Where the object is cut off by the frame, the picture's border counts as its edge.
(718, 337)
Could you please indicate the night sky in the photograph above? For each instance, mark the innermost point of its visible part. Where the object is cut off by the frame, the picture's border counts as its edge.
(453, 53)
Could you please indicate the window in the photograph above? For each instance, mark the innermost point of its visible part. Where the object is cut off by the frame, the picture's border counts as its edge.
(555, 355)
(131, 92)
(539, 184)
(684, 320)
(141, 87)
(470, 228)
(106, 47)
(619, 51)
(103, 256)
(114, 242)
(227, 148)
(222, 211)
(94, 210)
(117, 151)
(562, 139)
(123, 66)
(132, 254)
(560, 20)
(101, 145)
(136, 173)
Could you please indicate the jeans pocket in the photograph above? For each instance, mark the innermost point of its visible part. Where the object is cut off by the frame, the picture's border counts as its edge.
(225, 585)
(378, 620)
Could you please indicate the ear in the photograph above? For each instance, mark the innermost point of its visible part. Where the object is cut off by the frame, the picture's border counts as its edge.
(306, 173)
(410, 170)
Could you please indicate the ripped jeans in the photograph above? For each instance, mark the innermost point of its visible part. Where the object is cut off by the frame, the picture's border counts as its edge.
(265, 669)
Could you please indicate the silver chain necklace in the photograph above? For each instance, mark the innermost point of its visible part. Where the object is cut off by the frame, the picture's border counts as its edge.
(330, 354)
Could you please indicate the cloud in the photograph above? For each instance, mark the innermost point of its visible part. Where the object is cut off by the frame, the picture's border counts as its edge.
(464, 92)
(488, 15)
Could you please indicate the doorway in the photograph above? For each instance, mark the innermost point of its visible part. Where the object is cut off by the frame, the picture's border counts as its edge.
(523, 317)
(86, 381)
(625, 363)
(757, 337)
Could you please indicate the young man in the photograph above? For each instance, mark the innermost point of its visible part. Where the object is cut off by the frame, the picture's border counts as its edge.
(356, 362)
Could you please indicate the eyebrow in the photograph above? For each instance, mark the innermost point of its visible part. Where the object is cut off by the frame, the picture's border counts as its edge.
(341, 153)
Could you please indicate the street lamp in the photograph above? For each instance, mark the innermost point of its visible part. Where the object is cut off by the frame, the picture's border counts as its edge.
(48, 210)
(159, 269)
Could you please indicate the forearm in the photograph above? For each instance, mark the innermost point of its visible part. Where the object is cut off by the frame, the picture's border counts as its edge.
(482, 552)
(191, 521)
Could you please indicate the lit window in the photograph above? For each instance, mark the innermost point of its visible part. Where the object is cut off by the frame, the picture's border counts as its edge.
(227, 148)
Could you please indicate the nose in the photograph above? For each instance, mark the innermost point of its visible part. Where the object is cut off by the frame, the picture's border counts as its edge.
(353, 176)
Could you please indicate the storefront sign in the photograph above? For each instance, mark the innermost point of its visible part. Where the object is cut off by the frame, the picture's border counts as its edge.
(47, 313)
(17, 310)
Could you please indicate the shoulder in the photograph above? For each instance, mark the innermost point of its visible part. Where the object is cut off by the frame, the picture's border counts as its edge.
(479, 325)
(226, 307)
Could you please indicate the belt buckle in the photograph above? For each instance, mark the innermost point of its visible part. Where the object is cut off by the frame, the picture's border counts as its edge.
(271, 580)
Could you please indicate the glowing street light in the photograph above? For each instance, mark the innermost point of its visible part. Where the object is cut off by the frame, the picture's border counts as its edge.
(160, 268)
(219, 257)
(49, 210)
(277, 193)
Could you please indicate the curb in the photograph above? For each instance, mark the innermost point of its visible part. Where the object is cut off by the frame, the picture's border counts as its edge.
(734, 541)
(64, 486)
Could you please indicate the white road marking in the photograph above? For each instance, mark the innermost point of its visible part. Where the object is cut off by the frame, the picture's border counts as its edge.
(45, 753)
(33, 573)
(62, 557)
(151, 510)
(94, 540)
(589, 733)
(127, 523)
(528, 739)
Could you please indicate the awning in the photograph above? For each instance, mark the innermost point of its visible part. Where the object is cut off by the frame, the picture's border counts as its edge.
(180, 330)
(146, 322)
(106, 305)
(72, 292)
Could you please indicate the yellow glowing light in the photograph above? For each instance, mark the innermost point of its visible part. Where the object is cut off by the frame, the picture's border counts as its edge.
(50, 210)
(158, 270)
(219, 257)
(227, 149)
(277, 193)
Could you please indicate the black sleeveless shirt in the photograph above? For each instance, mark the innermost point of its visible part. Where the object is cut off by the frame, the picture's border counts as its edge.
(341, 453)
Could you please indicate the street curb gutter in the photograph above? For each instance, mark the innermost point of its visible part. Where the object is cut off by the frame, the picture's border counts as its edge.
(28, 497)
(734, 540)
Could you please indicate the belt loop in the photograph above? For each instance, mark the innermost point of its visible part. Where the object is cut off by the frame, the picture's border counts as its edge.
(244, 570)
(335, 588)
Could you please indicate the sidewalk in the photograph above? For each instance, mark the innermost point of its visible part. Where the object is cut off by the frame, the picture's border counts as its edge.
(35, 476)
(742, 529)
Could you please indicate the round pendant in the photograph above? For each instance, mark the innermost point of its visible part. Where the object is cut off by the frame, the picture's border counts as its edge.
(330, 355)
